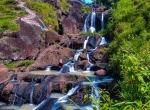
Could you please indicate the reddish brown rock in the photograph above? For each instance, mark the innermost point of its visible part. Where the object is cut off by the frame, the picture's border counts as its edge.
(5, 76)
(101, 72)
(69, 26)
(3, 67)
(52, 55)
(75, 42)
(52, 38)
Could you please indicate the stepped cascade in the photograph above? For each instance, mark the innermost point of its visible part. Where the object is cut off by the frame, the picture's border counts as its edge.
(37, 88)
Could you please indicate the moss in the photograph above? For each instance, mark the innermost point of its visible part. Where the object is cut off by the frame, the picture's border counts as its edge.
(47, 12)
(15, 49)
(85, 9)
(64, 5)
(10, 65)
(26, 63)
(7, 14)
(102, 33)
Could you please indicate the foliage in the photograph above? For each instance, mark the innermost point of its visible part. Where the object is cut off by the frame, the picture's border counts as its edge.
(47, 12)
(8, 13)
(64, 5)
(130, 52)
(102, 33)
(105, 2)
(26, 63)
(15, 64)
(85, 9)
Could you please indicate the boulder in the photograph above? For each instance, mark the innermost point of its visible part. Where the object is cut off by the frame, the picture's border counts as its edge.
(93, 42)
(51, 38)
(52, 55)
(99, 55)
(76, 13)
(74, 42)
(69, 26)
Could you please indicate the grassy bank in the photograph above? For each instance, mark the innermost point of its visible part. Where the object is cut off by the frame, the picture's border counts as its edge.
(47, 12)
(8, 13)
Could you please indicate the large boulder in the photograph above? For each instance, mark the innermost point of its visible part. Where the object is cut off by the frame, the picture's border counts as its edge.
(77, 15)
(69, 26)
(52, 55)
(24, 43)
(52, 38)
(82, 62)
(74, 42)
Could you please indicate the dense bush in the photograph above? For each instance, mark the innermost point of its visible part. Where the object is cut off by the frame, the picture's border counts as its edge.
(130, 52)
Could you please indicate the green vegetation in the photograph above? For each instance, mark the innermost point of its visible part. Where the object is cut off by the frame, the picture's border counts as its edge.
(47, 12)
(10, 65)
(102, 33)
(8, 13)
(15, 64)
(130, 55)
(26, 63)
(15, 49)
(64, 5)
(85, 9)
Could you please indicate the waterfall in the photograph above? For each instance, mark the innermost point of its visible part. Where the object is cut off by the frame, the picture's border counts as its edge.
(85, 42)
(48, 68)
(103, 41)
(102, 21)
(68, 67)
(85, 24)
(71, 92)
(90, 64)
(77, 54)
(93, 17)
(31, 95)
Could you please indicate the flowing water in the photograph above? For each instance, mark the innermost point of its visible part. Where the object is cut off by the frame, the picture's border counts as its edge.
(56, 100)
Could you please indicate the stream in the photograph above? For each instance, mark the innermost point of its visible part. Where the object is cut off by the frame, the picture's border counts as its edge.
(57, 101)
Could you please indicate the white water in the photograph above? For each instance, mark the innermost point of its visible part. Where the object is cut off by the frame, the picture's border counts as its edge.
(48, 68)
(31, 95)
(85, 42)
(103, 41)
(102, 21)
(69, 65)
(90, 64)
(76, 56)
(85, 24)
(71, 92)
(93, 17)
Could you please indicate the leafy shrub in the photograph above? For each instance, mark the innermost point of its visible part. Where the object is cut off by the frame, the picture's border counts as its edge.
(130, 52)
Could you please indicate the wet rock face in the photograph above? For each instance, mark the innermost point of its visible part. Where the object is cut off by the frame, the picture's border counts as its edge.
(52, 55)
(99, 58)
(76, 14)
(69, 26)
(74, 42)
(19, 92)
(82, 62)
(93, 42)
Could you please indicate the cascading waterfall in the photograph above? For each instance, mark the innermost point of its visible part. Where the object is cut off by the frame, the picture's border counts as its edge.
(77, 54)
(85, 42)
(93, 17)
(102, 21)
(48, 68)
(90, 64)
(85, 24)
